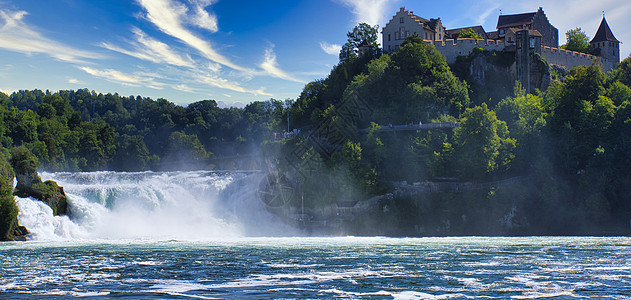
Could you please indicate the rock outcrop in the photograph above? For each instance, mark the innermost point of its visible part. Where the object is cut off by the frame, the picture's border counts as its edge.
(30, 184)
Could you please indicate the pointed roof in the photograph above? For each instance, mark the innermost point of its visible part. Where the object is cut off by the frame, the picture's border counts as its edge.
(604, 33)
(365, 43)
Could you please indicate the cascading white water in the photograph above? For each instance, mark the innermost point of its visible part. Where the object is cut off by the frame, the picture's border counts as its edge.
(148, 205)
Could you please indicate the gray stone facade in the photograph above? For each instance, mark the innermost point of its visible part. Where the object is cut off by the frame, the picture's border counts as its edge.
(405, 23)
(605, 47)
(530, 21)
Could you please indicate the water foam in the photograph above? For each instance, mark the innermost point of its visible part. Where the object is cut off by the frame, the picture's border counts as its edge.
(148, 205)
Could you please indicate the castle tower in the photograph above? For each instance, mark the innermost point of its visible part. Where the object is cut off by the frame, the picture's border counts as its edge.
(605, 45)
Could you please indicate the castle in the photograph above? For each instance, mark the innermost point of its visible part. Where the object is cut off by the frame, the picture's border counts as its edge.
(541, 37)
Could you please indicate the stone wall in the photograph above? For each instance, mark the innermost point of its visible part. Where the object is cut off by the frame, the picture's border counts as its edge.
(462, 47)
(451, 49)
(570, 59)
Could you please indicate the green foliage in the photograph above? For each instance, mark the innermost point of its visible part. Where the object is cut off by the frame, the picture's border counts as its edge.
(8, 207)
(183, 147)
(623, 72)
(435, 153)
(469, 33)
(23, 161)
(619, 93)
(525, 118)
(82, 130)
(413, 84)
(359, 34)
(577, 41)
(581, 116)
(375, 149)
(482, 143)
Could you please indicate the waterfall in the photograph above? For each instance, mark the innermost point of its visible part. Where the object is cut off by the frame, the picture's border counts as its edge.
(197, 205)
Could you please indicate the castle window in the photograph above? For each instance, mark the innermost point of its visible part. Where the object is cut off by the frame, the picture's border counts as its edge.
(388, 37)
(401, 20)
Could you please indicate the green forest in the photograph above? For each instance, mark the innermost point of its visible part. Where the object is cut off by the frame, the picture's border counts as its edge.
(569, 145)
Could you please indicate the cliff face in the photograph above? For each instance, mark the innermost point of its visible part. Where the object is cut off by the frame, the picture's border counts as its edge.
(492, 75)
(540, 77)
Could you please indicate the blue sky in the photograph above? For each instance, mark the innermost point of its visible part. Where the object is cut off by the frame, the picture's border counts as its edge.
(227, 50)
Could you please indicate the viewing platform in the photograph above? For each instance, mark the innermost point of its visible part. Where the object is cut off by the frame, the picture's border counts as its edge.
(414, 127)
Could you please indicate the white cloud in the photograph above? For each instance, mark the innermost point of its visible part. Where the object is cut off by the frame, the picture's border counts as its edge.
(123, 78)
(270, 66)
(74, 81)
(169, 16)
(150, 49)
(218, 82)
(372, 12)
(332, 49)
(18, 36)
(183, 88)
(485, 14)
(203, 19)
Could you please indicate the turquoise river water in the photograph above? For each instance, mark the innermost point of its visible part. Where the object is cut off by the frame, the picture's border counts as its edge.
(340, 267)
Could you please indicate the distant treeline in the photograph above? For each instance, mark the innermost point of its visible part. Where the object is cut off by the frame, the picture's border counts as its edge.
(82, 130)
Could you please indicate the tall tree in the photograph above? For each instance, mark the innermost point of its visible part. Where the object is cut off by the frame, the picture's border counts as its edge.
(482, 143)
(577, 41)
(362, 32)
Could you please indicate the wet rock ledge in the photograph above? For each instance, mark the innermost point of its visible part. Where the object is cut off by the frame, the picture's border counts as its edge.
(23, 167)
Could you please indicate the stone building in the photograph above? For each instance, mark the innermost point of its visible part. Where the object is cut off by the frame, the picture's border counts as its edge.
(604, 44)
(406, 23)
(536, 33)
(507, 24)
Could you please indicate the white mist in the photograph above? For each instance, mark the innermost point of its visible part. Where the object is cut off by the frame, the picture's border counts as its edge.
(155, 206)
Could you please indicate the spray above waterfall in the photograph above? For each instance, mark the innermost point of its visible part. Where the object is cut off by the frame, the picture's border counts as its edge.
(149, 205)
